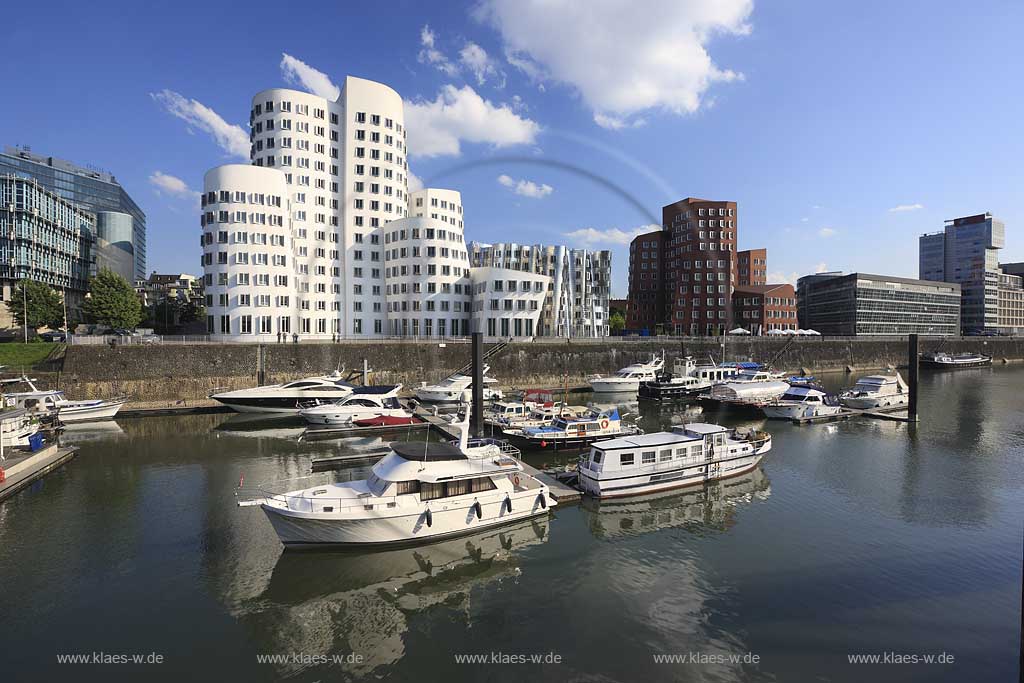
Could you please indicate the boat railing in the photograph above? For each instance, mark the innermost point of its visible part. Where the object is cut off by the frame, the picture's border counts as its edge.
(504, 446)
(314, 503)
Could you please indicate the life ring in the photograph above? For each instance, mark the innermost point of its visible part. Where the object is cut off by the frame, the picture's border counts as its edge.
(604, 424)
(515, 480)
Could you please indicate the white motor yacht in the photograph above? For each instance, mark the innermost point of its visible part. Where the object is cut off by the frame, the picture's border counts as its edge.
(538, 416)
(628, 379)
(689, 455)
(45, 402)
(682, 382)
(456, 388)
(368, 402)
(17, 426)
(287, 397)
(953, 361)
(574, 432)
(876, 391)
(417, 492)
(802, 401)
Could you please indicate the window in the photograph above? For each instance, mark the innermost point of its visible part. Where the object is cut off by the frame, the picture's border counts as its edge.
(647, 457)
(404, 487)
(626, 459)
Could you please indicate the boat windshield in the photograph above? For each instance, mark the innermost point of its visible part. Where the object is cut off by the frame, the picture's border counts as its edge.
(376, 485)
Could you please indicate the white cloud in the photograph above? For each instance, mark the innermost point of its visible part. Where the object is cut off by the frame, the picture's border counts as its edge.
(297, 72)
(172, 186)
(429, 54)
(415, 182)
(821, 268)
(779, 277)
(906, 207)
(827, 232)
(231, 138)
(592, 236)
(459, 115)
(475, 58)
(616, 123)
(622, 58)
(526, 188)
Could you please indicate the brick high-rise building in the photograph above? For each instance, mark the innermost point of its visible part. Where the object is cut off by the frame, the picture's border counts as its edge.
(645, 306)
(751, 267)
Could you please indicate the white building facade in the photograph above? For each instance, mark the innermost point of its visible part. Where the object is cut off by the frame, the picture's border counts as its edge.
(578, 285)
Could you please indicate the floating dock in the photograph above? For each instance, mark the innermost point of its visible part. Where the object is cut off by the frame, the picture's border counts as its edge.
(21, 468)
(312, 433)
(173, 410)
(892, 413)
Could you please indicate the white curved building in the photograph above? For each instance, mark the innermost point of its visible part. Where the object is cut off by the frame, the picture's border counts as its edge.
(344, 166)
(427, 268)
(508, 303)
(248, 253)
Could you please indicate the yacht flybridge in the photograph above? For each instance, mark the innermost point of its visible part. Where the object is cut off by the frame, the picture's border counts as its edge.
(628, 379)
(689, 455)
(287, 397)
(417, 492)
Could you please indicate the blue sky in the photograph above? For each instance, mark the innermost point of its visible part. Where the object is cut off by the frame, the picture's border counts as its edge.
(843, 130)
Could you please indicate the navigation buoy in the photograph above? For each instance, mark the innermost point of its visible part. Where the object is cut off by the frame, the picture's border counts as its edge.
(479, 510)
(430, 518)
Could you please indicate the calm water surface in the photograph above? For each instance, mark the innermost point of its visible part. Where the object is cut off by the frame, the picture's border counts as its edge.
(862, 537)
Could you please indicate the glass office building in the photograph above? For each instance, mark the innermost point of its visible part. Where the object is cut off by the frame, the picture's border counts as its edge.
(94, 190)
(862, 304)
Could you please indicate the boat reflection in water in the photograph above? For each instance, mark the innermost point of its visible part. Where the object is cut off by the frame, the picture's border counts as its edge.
(359, 601)
(710, 505)
(263, 425)
(82, 432)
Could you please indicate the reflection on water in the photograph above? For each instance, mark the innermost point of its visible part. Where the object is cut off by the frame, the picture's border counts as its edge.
(705, 507)
(321, 603)
(80, 432)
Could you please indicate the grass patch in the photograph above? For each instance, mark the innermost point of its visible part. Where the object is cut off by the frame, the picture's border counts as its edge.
(17, 356)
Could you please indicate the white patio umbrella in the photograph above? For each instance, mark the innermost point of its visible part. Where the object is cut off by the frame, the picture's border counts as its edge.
(775, 332)
(803, 333)
(739, 330)
(789, 332)
(813, 332)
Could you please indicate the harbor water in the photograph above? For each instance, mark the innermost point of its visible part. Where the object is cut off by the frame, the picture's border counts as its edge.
(855, 539)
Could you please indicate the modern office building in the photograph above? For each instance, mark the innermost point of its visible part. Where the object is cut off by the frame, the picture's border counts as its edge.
(336, 174)
(862, 304)
(751, 267)
(646, 306)
(967, 252)
(508, 303)
(578, 290)
(114, 249)
(762, 308)
(93, 190)
(43, 237)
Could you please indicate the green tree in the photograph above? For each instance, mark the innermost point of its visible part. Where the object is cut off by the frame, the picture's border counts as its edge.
(44, 305)
(112, 301)
(616, 323)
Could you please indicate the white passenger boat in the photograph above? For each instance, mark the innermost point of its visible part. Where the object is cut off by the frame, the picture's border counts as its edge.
(46, 402)
(952, 361)
(287, 397)
(510, 416)
(456, 388)
(748, 388)
(802, 401)
(628, 379)
(417, 492)
(689, 455)
(367, 403)
(574, 432)
(876, 391)
(17, 426)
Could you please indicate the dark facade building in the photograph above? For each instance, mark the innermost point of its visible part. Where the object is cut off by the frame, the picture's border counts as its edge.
(863, 304)
(751, 267)
(93, 190)
(761, 308)
(645, 308)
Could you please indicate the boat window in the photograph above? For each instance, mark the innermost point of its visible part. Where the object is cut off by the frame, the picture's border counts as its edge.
(681, 452)
(412, 486)
(325, 387)
(299, 385)
(481, 484)
(597, 456)
(695, 450)
(665, 455)
(626, 459)
(429, 491)
(376, 485)
(456, 488)
(647, 457)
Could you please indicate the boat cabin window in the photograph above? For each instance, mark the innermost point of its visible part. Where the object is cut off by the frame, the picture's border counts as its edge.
(361, 402)
(647, 457)
(404, 487)
(626, 459)
(596, 455)
(665, 455)
(300, 385)
(325, 387)
(376, 485)
(429, 491)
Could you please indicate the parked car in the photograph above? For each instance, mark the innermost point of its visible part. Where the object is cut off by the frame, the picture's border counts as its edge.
(54, 336)
(149, 339)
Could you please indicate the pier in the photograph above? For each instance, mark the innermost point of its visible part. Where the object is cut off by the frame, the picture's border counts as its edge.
(22, 468)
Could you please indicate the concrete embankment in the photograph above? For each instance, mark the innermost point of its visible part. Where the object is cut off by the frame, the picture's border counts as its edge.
(161, 375)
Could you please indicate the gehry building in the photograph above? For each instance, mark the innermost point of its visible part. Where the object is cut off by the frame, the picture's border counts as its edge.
(319, 238)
